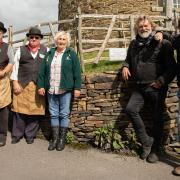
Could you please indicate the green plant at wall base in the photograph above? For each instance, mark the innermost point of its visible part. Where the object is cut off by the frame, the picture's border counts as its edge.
(103, 136)
(109, 138)
(117, 142)
(70, 138)
(132, 142)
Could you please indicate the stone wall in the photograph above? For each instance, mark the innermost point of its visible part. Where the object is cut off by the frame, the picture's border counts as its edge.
(67, 9)
(103, 99)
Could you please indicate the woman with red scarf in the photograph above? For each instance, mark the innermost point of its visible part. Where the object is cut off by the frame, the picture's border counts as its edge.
(27, 106)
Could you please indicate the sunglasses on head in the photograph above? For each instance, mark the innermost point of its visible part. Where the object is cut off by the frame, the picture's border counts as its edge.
(34, 37)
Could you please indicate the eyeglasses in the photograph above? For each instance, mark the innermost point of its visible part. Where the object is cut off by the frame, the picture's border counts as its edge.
(34, 37)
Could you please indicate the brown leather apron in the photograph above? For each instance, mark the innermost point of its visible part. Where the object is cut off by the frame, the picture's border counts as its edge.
(5, 91)
(29, 101)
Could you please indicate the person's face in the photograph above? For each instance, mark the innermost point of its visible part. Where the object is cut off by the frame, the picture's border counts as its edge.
(34, 40)
(1, 35)
(144, 28)
(61, 42)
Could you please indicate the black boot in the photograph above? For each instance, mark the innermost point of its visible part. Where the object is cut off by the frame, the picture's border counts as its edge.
(53, 142)
(146, 148)
(62, 139)
(2, 140)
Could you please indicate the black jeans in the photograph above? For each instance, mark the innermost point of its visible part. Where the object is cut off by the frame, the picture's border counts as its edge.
(3, 121)
(156, 98)
(25, 125)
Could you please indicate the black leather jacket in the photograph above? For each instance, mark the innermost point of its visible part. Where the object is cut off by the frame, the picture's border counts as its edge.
(149, 63)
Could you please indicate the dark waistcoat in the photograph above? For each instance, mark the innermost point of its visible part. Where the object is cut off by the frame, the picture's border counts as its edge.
(28, 66)
(4, 60)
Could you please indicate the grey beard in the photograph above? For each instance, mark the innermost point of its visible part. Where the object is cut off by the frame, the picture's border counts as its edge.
(145, 34)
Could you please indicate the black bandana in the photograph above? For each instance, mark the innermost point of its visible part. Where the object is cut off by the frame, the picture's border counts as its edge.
(144, 41)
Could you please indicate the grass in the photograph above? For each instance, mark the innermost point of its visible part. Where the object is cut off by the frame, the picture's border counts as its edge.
(102, 66)
(93, 54)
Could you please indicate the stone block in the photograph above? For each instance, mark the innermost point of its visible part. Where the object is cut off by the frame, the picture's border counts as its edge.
(103, 85)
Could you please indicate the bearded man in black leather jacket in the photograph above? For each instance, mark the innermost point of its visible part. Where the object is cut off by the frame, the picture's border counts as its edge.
(151, 65)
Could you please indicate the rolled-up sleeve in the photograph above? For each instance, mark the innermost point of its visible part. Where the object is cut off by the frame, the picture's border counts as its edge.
(10, 54)
(14, 75)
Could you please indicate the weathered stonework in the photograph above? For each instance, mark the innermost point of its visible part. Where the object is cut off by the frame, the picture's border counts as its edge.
(103, 101)
(67, 9)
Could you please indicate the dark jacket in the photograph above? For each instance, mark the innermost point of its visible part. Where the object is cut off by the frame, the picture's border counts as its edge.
(149, 63)
(4, 60)
(70, 71)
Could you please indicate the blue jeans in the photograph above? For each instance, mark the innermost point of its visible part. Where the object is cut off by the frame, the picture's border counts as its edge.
(59, 108)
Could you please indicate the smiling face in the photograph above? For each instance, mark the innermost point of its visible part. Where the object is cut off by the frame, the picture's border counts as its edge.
(144, 28)
(34, 40)
(61, 42)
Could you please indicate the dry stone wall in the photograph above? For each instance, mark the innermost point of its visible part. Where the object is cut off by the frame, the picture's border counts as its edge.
(103, 99)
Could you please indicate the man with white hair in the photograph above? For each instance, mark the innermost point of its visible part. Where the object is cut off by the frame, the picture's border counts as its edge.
(151, 65)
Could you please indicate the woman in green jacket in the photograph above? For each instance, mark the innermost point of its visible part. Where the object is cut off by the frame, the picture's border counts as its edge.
(59, 76)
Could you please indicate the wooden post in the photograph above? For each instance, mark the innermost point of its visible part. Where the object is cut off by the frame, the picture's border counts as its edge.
(176, 25)
(132, 27)
(75, 34)
(80, 38)
(106, 40)
(169, 13)
(10, 35)
(51, 29)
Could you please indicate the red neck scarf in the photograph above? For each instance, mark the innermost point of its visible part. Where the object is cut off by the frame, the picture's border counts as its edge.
(33, 49)
(1, 42)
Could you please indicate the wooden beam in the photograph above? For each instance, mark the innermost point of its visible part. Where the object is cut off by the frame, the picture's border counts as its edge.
(106, 40)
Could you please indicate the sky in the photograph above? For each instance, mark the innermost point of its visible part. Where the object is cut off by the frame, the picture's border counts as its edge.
(24, 13)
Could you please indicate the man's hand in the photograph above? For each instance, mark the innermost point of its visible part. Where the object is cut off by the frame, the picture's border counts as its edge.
(125, 73)
(17, 88)
(2, 73)
(41, 91)
(156, 85)
(77, 93)
(158, 36)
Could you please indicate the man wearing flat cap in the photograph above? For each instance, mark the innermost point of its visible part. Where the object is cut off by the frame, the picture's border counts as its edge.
(27, 106)
(6, 64)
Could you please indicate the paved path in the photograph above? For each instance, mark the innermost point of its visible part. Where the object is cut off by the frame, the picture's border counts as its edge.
(34, 162)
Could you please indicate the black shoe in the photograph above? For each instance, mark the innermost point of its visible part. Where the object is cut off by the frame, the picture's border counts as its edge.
(176, 171)
(15, 140)
(152, 158)
(2, 140)
(30, 140)
(146, 148)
